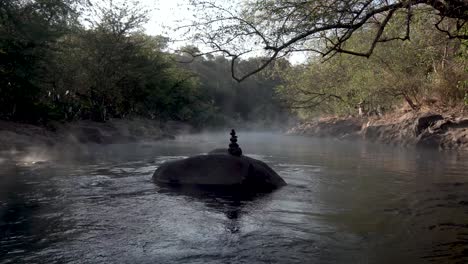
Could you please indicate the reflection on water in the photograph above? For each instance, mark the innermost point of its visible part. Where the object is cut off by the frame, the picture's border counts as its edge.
(346, 202)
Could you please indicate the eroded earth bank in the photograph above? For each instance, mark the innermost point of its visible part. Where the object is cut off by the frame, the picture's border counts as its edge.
(423, 128)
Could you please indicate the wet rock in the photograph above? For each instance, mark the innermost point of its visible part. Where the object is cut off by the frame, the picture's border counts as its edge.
(373, 132)
(222, 170)
(425, 121)
(219, 151)
(461, 123)
(441, 125)
(428, 139)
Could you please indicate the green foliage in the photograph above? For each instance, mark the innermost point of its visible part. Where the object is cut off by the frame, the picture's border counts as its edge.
(428, 67)
(28, 30)
(54, 66)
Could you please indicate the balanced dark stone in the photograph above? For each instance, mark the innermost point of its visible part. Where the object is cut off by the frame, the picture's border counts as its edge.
(220, 168)
(234, 148)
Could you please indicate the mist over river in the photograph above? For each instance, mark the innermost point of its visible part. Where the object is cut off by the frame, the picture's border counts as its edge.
(345, 202)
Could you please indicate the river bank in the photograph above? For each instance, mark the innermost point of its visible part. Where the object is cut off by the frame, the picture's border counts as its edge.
(443, 130)
(19, 136)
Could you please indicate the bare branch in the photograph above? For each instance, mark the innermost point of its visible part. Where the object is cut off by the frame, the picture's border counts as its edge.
(320, 26)
(376, 39)
(450, 34)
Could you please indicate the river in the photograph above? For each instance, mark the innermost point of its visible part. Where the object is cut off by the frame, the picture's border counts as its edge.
(345, 202)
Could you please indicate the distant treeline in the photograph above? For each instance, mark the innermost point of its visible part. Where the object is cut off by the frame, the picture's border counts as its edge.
(65, 60)
(253, 100)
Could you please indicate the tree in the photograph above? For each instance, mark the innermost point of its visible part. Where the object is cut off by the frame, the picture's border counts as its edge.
(54, 66)
(277, 28)
(112, 55)
(28, 32)
(428, 66)
(253, 100)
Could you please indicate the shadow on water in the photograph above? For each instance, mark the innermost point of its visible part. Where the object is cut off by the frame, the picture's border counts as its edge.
(227, 200)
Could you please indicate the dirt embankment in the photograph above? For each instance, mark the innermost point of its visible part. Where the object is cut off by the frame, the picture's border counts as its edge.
(429, 129)
(20, 136)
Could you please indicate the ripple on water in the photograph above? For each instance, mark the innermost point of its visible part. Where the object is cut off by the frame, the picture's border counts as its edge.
(344, 203)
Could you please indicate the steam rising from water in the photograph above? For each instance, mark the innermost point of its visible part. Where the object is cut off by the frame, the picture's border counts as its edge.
(27, 157)
(34, 158)
(344, 202)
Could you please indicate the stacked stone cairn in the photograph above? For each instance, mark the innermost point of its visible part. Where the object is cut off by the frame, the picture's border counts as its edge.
(234, 148)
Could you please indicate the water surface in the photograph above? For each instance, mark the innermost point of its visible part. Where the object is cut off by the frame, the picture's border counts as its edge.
(345, 202)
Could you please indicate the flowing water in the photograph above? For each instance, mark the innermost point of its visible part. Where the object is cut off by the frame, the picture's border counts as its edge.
(345, 202)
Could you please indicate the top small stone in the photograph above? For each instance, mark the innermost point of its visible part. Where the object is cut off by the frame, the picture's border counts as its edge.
(234, 148)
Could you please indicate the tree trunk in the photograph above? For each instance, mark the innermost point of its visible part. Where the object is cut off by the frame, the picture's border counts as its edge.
(410, 102)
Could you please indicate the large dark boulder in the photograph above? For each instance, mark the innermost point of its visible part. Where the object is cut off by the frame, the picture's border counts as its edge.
(219, 170)
(425, 121)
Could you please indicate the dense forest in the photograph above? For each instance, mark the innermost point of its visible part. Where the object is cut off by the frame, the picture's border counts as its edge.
(57, 62)
(68, 60)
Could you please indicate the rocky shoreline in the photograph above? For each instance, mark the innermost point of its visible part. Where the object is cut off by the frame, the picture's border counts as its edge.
(421, 129)
(20, 136)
